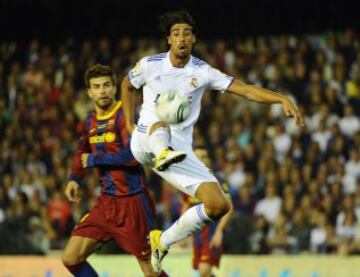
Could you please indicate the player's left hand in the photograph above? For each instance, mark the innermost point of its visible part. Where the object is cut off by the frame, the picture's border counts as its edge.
(84, 159)
(291, 110)
(216, 240)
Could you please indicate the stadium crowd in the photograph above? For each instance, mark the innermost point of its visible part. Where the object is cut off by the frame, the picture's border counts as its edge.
(294, 190)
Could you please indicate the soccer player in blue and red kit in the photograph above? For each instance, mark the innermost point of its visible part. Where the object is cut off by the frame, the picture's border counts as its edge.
(124, 211)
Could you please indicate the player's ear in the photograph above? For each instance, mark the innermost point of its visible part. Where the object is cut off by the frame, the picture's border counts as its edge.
(194, 39)
(169, 40)
(89, 92)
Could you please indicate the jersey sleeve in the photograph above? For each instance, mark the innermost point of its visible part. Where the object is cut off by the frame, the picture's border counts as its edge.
(218, 80)
(77, 171)
(137, 74)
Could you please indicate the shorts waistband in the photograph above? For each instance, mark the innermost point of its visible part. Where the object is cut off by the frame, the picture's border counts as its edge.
(121, 196)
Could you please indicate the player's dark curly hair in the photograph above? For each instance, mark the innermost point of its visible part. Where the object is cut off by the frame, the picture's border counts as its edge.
(99, 70)
(167, 20)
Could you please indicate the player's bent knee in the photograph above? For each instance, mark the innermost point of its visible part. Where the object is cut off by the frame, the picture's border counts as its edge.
(157, 125)
(217, 209)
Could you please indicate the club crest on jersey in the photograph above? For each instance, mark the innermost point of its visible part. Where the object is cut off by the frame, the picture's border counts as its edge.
(110, 123)
(194, 83)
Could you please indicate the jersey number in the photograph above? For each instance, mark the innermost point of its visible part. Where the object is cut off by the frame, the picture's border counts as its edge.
(157, 97)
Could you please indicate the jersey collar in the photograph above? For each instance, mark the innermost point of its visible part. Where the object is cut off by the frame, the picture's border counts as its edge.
(109, 114)
(169, 65)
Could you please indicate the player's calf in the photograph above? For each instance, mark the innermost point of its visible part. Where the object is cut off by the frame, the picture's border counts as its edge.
(81, 269)
(69, 259)
(75, 254)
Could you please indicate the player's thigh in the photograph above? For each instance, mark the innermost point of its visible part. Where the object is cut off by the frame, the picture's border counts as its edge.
(78, 249)
(189, 174)
(205, 269)
(146, 267)
(210, 193)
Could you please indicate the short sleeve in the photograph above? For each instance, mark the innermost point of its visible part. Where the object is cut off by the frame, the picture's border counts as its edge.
(218, 80)
(137, 74)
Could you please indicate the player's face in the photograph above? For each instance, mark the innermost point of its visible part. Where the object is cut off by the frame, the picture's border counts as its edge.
(181, 40)
(102, 91)
(202, 156)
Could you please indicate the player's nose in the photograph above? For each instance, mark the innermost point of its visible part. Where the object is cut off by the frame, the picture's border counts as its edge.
(102, 90)
(182, 37)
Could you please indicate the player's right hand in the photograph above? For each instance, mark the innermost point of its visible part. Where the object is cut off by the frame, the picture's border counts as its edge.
(291, 110)
(72, 192)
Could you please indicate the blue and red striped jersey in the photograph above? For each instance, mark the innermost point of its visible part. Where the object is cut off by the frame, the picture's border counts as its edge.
(107, 141)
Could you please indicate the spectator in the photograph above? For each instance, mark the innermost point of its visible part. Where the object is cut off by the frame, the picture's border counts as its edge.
(321, 135)
(258, 242)
(352, 166)
(279, 240)
(300, 230)
(270, 206)
(349, 123)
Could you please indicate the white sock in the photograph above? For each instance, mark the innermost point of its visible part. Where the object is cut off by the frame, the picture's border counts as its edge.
(159, 140)
(192, 220)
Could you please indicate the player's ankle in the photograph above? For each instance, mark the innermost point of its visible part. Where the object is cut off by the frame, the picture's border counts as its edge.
(163, 247)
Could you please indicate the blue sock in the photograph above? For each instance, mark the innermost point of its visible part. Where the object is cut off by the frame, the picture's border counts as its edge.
(82, 270)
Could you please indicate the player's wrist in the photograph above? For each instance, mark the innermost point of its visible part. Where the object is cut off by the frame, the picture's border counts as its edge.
(75, 179)
(91, 159)
(283, 99)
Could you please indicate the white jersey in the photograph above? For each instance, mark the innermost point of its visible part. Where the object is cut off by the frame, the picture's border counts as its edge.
(157, 75)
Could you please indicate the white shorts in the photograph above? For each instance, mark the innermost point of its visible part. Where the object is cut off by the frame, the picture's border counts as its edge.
(186, 175)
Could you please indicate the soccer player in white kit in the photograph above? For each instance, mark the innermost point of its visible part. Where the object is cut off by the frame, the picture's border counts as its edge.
(167, 149)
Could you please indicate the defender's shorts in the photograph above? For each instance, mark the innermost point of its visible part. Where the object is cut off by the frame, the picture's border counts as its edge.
(128, 220)
(186, 175)
(202, 253)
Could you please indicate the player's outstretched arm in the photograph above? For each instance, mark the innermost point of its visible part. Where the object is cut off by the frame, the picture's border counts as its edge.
(262, 95)
(128, 103)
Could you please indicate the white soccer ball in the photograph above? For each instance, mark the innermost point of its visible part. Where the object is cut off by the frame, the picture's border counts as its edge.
(172, 107)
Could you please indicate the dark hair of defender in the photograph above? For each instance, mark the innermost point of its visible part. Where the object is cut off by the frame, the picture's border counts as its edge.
(99, 70)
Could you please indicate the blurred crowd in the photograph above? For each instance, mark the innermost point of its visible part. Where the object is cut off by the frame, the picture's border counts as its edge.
(294, 190)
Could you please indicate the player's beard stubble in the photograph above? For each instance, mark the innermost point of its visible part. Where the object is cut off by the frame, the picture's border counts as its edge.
(182, 51)
(104, 103)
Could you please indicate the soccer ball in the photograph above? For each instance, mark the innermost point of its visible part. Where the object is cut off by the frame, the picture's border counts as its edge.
(172, 107)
